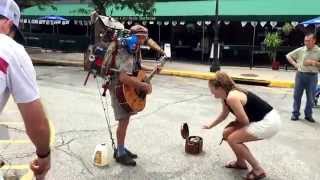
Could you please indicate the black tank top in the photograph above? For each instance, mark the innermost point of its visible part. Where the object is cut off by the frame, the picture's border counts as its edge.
(255, 108)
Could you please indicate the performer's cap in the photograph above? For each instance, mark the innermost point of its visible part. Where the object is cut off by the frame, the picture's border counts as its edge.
(139, 30)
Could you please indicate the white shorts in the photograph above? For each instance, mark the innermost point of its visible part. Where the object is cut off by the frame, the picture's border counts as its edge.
(267, 127)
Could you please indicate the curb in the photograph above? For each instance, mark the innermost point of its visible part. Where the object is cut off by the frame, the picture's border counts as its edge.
(240, 80)
(39, 61)
(191, 74)
(182, 73)
(281, 84)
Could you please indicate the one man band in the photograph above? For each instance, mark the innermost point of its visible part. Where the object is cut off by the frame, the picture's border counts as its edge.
(128, 63)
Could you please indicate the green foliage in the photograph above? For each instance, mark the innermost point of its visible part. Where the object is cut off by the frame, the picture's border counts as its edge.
(287, 28)
(144, 7)
(83, 11)
(272, 42)
(27, 3)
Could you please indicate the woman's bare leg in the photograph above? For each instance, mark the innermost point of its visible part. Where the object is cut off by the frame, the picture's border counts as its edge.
(240, 160)
(236, 140)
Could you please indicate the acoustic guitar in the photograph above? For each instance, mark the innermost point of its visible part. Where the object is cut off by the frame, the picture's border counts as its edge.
(130, 98)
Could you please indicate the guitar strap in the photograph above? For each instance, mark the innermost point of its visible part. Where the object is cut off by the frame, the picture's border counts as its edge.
(114, 55)
(137, 62)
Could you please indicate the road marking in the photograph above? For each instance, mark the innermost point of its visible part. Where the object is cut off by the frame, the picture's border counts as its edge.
(29, 174)
(11, 141)
(52, 134)
(16, 167)
(11, 123)
(19, 141)
(23, 141)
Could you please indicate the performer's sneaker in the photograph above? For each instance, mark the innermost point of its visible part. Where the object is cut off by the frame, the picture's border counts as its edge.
(310, 119)
(132, 155)
(125, 160)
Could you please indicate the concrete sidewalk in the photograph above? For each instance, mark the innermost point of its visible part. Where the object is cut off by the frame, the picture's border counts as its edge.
(256, 76)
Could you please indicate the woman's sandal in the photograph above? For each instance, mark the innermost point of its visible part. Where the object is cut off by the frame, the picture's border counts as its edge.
(252, 176)
(235, 165)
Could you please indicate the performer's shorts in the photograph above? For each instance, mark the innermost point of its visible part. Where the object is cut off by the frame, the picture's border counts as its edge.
(119, 112)
(267, 127)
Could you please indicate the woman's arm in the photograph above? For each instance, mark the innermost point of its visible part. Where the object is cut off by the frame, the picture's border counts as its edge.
(223, 115)
(235, 104)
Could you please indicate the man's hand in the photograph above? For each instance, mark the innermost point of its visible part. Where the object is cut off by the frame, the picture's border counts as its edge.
(40, 167)
(295, 65)
(159, 68)
(162, 53)
(311, 62)
(292, 62)
(316, 64)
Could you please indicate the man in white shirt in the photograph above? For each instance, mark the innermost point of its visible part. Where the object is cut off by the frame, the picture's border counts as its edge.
(18, 78)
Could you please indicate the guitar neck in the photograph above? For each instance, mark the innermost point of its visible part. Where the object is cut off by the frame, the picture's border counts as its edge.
(154, 71)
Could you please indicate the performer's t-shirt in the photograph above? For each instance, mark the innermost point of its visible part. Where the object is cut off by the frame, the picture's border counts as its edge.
(124, 61)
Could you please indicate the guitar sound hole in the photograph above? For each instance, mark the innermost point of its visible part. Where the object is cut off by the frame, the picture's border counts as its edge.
(141, 94)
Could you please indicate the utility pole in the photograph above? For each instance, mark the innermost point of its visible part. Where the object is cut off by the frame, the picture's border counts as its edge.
(215, 64)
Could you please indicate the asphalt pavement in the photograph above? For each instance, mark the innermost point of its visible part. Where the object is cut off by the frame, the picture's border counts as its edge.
(154, 134)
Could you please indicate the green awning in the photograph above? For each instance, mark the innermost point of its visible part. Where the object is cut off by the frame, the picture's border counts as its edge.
(270, 10)
(68, 11)
(240, 10)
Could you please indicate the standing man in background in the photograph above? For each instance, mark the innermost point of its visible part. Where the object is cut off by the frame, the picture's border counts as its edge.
(305, 59)
(18, 78)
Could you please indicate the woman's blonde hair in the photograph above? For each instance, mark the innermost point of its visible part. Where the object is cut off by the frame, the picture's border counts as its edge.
(224, 81)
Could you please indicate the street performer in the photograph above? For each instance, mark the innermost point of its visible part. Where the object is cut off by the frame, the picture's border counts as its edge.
(127, 63)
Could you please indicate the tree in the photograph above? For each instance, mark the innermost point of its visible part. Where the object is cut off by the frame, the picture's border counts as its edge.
(144, 7)
(27, 3)
(273, 42)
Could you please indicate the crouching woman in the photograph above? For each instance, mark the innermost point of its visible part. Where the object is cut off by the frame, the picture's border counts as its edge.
(255, 120)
